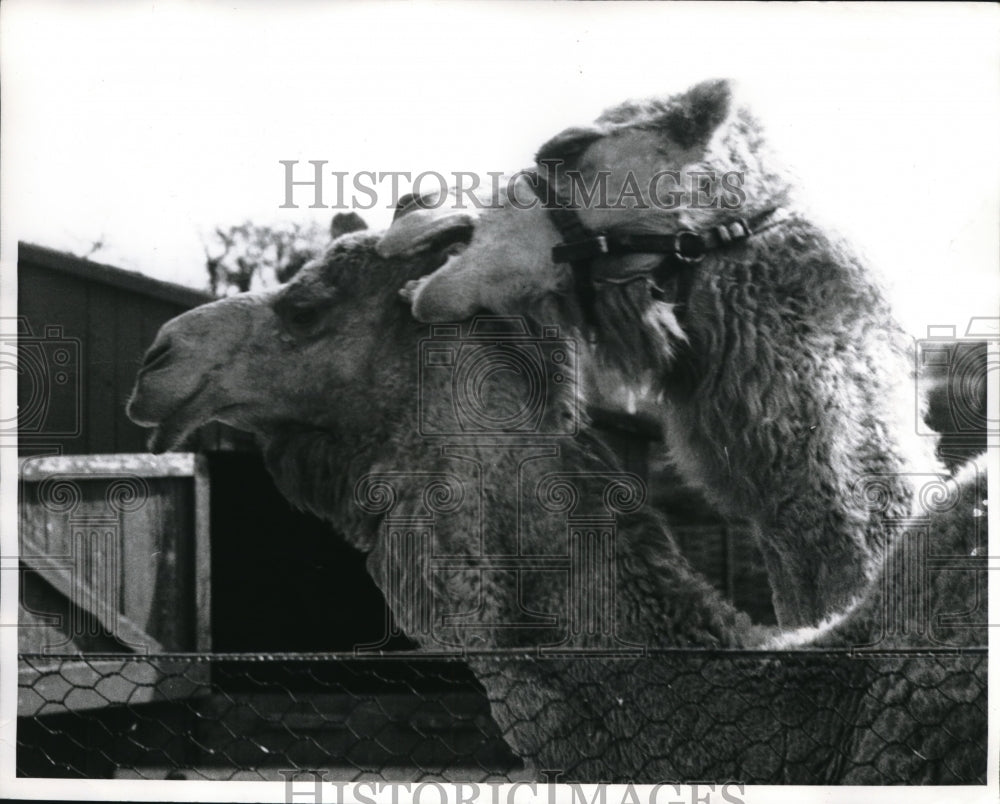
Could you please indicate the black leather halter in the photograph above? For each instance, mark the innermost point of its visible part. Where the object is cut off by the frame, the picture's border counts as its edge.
(682, 249)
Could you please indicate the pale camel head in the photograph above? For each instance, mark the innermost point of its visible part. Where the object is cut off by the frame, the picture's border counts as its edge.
(686, 161)
(504, 268)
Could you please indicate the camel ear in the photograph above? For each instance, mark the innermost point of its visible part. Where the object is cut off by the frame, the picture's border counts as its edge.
(692, 118)
(345, 223)
(566, 146)
(451, 293)
(420, 222)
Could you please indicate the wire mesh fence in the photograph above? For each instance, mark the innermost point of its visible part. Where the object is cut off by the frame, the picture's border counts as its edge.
(232, 716)
(745, 716)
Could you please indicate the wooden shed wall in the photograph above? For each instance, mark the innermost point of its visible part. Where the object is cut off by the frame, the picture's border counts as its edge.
(107, 318)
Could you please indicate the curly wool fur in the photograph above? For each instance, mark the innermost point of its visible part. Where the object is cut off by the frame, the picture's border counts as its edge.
(783, 379)
(790, 391)
(336, 406)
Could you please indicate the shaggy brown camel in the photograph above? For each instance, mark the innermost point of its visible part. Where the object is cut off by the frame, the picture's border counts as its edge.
(782, 379)
(529, 535)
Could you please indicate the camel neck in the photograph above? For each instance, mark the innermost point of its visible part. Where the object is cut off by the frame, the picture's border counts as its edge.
(556, 533)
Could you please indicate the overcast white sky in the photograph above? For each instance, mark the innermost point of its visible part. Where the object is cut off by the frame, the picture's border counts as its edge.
(147, 124)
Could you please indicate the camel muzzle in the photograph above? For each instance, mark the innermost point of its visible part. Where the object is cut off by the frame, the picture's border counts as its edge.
(181, 383)
(156, 355)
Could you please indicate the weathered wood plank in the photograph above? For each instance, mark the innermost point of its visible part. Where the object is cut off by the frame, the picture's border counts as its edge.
(90, 271)
(127, 544)
(130, 345)
(101, 336)
(172, 611)
(171, 464)
(202, 555)
(51, 408)
(64, 581)
(141, 536)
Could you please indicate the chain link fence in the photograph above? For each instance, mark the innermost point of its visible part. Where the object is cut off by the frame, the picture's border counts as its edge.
(745, 716)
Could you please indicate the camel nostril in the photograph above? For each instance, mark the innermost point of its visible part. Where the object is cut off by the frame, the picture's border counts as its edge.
(156, 355)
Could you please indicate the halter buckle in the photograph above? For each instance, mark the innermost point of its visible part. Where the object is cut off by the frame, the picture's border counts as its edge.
(689, 246)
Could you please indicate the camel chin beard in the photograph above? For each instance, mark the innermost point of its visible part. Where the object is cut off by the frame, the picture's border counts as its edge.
(168, 427)
(169, 434)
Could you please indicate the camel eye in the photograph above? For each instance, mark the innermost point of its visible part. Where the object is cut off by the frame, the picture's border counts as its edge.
(301, 319)
(304, 317)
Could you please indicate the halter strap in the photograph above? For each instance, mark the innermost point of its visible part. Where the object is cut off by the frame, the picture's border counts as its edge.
(682, 249)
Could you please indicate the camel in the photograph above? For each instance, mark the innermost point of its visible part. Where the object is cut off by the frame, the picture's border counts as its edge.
(772, 358)
(470, 538)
